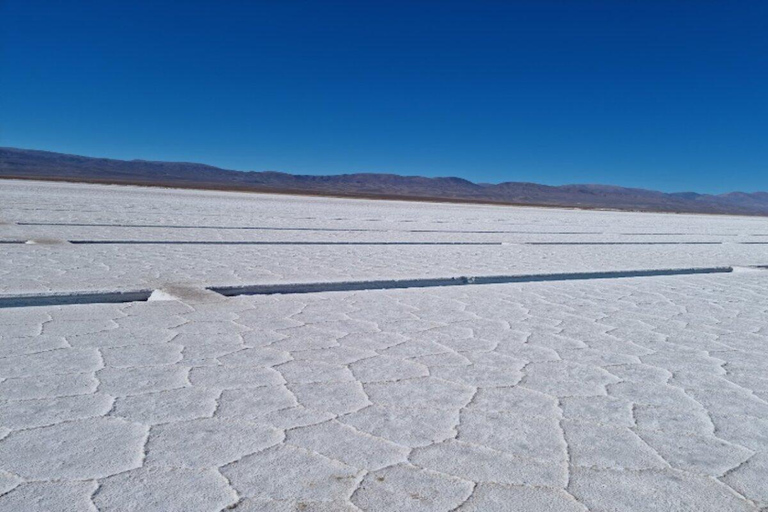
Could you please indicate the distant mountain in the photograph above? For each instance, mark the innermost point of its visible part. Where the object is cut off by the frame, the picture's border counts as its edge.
(33, 164)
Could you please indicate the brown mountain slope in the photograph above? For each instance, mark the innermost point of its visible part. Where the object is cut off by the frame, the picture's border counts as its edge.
(33, 164)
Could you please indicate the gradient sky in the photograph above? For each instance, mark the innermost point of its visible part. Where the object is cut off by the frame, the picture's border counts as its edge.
(669, 95)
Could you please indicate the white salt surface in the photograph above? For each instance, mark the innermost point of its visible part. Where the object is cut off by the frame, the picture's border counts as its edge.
(604, 395)
(278, 229)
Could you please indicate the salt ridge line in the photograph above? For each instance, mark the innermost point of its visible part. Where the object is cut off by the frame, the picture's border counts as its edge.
(370, 230)
(73, 298)
(628, 243)
(339, 230)
(117, 296)
(388, 284)
(321, 243)
(261, 242)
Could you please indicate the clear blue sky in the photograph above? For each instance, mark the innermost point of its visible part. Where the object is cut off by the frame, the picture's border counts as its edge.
(670, 95)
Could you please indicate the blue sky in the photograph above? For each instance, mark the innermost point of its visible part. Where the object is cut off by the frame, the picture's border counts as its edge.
(670, 95)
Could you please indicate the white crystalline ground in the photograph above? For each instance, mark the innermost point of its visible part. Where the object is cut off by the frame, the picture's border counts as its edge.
(632, 394)
(50, 267)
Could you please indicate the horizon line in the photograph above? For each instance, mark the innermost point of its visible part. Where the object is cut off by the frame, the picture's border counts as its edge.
(368, 173)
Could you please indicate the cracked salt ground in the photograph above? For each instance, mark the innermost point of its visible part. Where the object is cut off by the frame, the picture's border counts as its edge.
(637, 394)
(628, 394)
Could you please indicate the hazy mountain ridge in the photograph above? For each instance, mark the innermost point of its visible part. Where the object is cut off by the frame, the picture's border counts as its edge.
(24, 163)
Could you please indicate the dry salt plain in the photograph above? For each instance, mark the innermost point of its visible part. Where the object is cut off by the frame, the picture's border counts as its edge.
(609, 387)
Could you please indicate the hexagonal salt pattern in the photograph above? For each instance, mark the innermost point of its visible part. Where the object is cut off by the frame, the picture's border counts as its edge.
(628, 394)
(641, 394)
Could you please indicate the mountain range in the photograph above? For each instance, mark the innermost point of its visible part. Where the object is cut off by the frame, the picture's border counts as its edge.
(46, 165)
